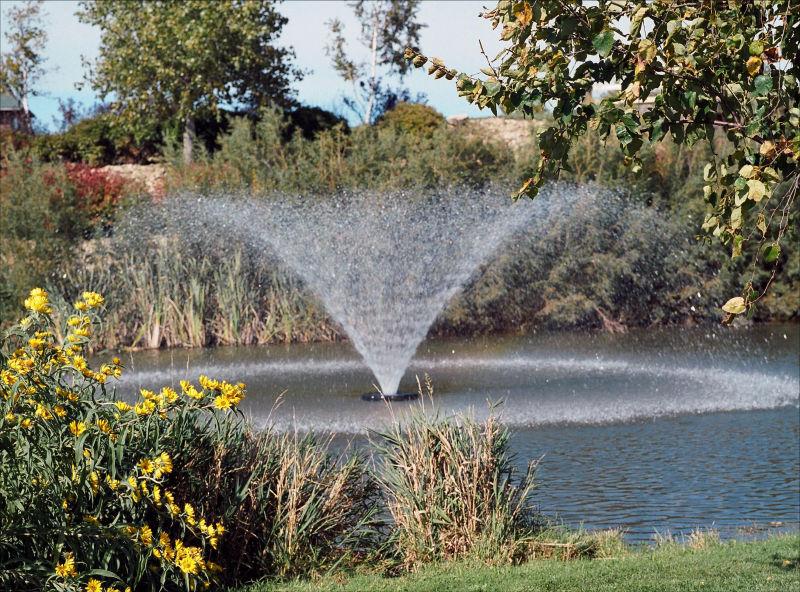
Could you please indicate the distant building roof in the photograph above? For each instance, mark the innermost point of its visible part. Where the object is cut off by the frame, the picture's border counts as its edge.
(9, 103)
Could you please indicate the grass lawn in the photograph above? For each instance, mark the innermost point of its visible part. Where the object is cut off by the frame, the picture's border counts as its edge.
(771, 565)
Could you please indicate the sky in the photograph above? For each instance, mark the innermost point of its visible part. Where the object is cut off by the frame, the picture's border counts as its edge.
(452, 33)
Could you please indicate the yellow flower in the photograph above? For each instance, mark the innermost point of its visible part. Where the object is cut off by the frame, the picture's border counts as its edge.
(37, 301)
(146, 535)
(222, 402)
(94, 481)
(112, 483)
(77, 428)
(188, 559)
(81, 305)
(168, 395)
(146, 466)
(208, 383)
(123, 406)
(144, 408)
(60, 411)
(93, 299)
(163, 464)
(190, 391)
(67, 569)
(36, 343)
(43, 412)
(189, 511)
(94, 586)
(104, 426)
(8, 377)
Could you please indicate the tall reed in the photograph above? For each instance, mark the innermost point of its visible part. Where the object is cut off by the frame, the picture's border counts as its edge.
(452, 489)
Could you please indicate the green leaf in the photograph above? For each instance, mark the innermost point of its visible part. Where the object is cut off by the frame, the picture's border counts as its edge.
(604, 42)
(756, 48)
(762, 84)
(737, 246)
(735, 305)
(772, 252)
(492, 88)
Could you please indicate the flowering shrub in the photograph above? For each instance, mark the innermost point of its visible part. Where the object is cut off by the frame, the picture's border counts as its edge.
(98, 192)
(85, 501)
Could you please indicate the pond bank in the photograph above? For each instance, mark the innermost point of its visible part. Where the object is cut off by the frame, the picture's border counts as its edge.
(762, 566)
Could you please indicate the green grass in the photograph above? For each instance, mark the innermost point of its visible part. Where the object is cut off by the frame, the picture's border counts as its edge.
(736, 566)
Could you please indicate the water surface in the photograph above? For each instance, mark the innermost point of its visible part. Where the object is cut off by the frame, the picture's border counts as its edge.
(666, 429)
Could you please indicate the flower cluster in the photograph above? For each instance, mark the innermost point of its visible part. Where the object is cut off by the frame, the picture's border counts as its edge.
(96, 468)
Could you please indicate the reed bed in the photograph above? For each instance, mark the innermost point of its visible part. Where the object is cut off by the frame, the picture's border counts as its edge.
(160, 296)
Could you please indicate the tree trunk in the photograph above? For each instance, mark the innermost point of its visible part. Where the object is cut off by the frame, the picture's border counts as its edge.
(27, 121)
(373, 69)
(188, 139)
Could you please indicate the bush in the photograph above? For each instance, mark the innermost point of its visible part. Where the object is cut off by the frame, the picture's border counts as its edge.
(255, 156)
(414, 119)
(291, 508)
(85, 477)
(452, 490)
(89, 491)
(99, 140)
(46, 211)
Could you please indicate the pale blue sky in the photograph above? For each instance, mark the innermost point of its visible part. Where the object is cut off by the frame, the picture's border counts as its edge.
(452, 33)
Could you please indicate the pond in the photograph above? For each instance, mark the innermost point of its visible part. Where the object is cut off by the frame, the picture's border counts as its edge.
(652, 430)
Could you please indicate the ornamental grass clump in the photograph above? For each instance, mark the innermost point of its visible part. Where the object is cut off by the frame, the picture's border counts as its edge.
(452, 490)
(86, 501)
(291, 506)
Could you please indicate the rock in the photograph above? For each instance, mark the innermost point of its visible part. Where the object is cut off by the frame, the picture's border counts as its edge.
(151, 177)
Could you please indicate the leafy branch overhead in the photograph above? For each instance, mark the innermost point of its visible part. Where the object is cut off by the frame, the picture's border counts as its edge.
(691, 71)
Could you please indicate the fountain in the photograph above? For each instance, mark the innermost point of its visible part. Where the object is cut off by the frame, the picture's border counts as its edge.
(383, 264)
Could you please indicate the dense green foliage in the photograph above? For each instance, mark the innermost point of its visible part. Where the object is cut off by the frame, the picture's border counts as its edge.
(414, 119)
(761, 566)
(716, 68)
(47, 210)
(176, 61)
(98, 140)
(256, 156)
(623, 258)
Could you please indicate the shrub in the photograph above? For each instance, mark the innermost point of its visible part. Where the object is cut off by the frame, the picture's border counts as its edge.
(85, 477)
(90, 494)
(255, 156)
(46, 211)
(452, 489)
(99, 140)
(98, 193)
(414, 119)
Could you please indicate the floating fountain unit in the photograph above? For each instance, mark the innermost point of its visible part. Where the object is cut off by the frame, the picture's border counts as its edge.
(379, 396)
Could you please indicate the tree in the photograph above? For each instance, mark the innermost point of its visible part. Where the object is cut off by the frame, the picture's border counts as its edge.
(716, 68)
(387, 26)
(178, 60)
(22, 65)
